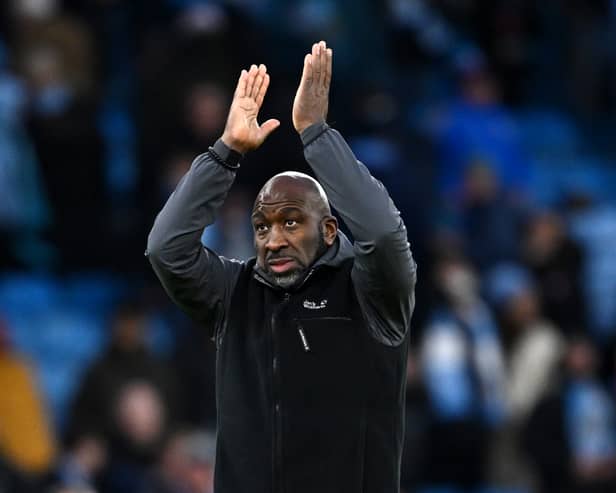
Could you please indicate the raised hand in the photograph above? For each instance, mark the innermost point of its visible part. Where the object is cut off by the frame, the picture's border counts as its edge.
(312, 97)
(242, 131)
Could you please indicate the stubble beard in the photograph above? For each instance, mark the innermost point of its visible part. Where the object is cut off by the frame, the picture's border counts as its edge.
(289, 279)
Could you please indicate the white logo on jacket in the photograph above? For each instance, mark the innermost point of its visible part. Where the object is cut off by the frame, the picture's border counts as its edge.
(313, 305)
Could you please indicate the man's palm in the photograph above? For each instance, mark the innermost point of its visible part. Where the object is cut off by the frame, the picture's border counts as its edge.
(312, 97)
(242, 131)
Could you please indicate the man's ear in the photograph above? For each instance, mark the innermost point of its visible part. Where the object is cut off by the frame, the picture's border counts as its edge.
(329, 227)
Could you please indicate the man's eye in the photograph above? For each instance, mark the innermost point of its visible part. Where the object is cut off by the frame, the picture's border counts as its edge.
(260, 228)
(290, 223)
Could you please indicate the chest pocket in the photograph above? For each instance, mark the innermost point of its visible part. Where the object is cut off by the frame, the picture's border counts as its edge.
(323, 332)
(324, 362)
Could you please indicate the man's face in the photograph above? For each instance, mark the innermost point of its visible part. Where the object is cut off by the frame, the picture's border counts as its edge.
(289, 229)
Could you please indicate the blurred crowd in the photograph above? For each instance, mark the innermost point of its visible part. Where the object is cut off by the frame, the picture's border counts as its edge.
(491, 123)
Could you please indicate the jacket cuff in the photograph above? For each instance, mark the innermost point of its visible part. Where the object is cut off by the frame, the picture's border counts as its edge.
(225, 156)
(313, 132)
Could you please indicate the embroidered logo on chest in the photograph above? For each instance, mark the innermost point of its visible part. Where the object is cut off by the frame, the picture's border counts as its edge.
(313, 305)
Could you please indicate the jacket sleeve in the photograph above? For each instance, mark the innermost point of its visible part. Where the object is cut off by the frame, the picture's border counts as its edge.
(384, 272)
(196, 278)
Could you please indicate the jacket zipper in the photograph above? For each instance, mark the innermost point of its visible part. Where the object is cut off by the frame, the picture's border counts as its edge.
(303, 338)
(277, 425)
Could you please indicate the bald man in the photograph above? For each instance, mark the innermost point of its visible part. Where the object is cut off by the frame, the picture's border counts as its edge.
(312, 333)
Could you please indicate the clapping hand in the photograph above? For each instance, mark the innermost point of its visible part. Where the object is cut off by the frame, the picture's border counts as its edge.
(312, 98)
(242, 132)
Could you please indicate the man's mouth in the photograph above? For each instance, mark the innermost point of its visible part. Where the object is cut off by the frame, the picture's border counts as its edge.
(282, 264)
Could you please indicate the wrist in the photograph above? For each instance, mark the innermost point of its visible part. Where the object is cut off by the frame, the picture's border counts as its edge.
(233, 144)
(225, 156)
(301, 127)
(313, 132)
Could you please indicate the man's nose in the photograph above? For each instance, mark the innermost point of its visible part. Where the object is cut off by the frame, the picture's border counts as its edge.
(276, 240)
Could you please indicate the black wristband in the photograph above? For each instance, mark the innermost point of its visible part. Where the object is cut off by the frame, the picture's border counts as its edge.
(225, 156)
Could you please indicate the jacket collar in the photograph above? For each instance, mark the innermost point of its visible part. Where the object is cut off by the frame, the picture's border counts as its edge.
(341, 250)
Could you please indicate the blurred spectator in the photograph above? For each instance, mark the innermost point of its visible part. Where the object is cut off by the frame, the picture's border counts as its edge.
(27, 444)
(54, 54)
(205, 114)
(24, 210)
(534, 345)
(491, 220)
(41, 30)
(186, 465)
(572, 434)
(171, 468)
(508, 31)
(463, 373)
(593, 226)
(81, 463)
(556, 262)
(478, 128)
(185, 67)
(590, 420)
(194, 124)
(200, 452)
(534, 353)
(130, 397)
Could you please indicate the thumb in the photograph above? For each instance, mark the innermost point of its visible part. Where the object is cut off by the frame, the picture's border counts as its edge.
(269, 126)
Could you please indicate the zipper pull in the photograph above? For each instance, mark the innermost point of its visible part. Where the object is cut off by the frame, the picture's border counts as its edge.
(304, 339)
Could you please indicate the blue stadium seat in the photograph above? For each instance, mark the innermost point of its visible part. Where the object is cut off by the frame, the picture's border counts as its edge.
(21, 292)
(60, 326)
(549, 133)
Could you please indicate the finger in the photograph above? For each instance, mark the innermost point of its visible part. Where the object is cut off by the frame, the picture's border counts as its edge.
(263, 90)
(258, 82)
(268, 127)
(316, 66)
(328, 68)
(322, 62)
(252, 76)
(240, 90)
(307, 73)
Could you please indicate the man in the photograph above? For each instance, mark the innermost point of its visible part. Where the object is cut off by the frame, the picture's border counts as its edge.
(312, 335)
(463, 372)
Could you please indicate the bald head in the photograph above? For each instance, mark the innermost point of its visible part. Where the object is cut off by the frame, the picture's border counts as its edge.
(292, 186)
(293, 226)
